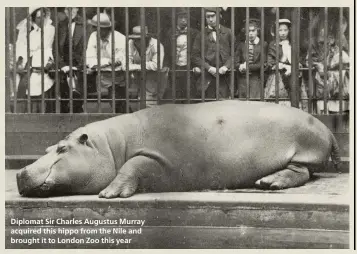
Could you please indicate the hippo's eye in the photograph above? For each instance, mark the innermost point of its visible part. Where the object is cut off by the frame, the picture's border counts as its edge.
(61, 149)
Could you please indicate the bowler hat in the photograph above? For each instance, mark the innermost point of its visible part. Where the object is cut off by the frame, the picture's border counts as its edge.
(253, 22)
(182, 11)
(104, 20)
(137, 32)
(211, 9)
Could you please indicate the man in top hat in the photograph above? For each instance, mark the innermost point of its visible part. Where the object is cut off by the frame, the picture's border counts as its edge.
(253, 60)
(179, 38)
(105, 43)
(225, 59)
(151, 57)
(75, 26)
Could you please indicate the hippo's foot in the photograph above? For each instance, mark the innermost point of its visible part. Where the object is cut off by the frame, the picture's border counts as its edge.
(292, 176)
(122, 186)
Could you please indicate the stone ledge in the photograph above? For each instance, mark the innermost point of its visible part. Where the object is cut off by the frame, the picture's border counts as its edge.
(310, 206)
(315, 215)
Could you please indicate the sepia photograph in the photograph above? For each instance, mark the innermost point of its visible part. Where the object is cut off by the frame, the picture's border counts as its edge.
(179, 127)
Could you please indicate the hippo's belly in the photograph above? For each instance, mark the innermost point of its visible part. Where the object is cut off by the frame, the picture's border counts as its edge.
(219, 147)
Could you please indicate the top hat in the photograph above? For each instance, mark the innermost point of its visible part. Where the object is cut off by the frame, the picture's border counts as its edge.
(104, 20)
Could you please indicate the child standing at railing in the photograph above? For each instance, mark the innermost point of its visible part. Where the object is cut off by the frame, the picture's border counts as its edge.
(284, 66)
(254, 59)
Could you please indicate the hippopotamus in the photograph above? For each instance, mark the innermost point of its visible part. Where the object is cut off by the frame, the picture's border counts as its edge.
(175, 148)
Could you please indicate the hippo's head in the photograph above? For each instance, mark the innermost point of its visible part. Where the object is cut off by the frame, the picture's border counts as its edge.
(73, 166)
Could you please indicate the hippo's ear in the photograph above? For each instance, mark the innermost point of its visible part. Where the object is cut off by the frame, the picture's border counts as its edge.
(83, 138)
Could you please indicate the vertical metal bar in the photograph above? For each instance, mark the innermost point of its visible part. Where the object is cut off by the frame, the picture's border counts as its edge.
(85, 90)
(99, 90)
(297, 84)
(57, 92)
(294, 66)
(113, 60)
(277, 40)
(173, 53)
(188, 90)
(310, 63)
(28, 28)
(143, 59)
(340, 87)
(203, 70)
(233, 43)
(127, 77)
(217, 51)
(70, 60)
(42, 64)
(158, 84)
(325, 59)
(14, 58)
(7, 60)
(262, 54)
(247, 51)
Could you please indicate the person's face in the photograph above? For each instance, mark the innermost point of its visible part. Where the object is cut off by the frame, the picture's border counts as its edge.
(38, 18)
(211, 19)
(283, 32)
(182, 21)
(321, 38)
(74, 12)
(137, 40)
(253, 33)
(104, 32)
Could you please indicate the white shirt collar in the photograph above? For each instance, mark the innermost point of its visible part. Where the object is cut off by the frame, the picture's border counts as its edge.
(35, 26)
(285, 42)
(256, 41)
(212, 27)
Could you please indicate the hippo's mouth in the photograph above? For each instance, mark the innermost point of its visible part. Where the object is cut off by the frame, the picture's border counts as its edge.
(43, 190)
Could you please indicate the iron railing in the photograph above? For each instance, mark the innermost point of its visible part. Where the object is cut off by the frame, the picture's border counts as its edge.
(12, 74)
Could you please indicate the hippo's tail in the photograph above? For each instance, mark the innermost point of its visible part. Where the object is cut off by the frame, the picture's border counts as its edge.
(335, 153)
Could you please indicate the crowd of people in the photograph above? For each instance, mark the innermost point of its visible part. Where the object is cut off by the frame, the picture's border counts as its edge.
(170, 59)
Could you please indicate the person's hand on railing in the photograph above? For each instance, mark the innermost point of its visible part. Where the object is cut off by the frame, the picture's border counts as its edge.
(287, 70)
(320, 68)
(65, 69)
(212, 71)
(223, 70)
(196, 70)
(242, 67)
(48, 67)
(281, 66)
(116, 63)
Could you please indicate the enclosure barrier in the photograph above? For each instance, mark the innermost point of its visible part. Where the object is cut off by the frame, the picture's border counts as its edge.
(13, 74)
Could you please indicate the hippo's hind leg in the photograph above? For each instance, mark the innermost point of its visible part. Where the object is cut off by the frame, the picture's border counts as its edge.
(293, 176)
(129, 177)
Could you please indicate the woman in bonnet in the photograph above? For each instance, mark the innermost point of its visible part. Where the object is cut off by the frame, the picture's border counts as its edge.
(35, 56)
(284, 63)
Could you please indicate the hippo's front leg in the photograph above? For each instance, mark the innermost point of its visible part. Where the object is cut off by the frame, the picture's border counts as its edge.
(126, 182)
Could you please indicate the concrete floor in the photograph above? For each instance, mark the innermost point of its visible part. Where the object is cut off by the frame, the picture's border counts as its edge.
(329, 184)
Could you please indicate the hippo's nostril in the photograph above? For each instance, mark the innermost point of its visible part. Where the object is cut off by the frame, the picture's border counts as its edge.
(19, 183)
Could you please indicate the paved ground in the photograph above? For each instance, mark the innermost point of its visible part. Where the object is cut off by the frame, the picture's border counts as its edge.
(329, 184)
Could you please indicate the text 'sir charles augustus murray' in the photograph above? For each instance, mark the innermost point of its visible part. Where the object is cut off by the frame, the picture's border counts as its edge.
(88, 231)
